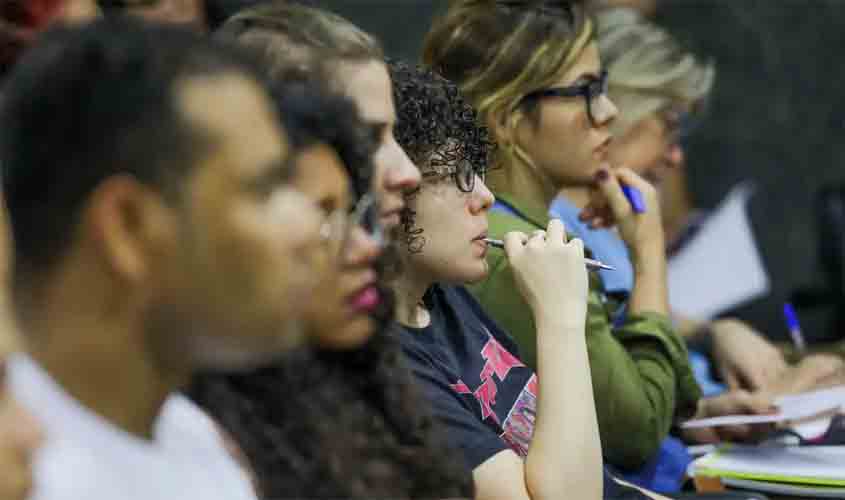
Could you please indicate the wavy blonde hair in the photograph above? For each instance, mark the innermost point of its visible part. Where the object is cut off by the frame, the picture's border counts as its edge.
(499, 51)
(647, 68)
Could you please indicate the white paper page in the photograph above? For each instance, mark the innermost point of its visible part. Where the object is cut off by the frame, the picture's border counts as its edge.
(795, 407)
(721, 267)
(817, 399)
(808, 462)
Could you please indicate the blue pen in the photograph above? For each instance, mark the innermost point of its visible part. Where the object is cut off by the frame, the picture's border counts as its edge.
(794, 327)
(635, 198)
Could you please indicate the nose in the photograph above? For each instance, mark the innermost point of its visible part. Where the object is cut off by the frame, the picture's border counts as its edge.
(604, 111)
(482, 198)
(401, 175)
(361, 248)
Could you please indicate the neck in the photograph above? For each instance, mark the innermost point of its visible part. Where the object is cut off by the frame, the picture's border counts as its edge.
(410, 290)
(577, 195)
(676, 204)
(524, 182)
(97, 350)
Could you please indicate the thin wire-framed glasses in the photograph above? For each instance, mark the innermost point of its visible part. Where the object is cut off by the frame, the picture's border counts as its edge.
(590, 90)
(339, 223)
(461, 171)
(680, 122)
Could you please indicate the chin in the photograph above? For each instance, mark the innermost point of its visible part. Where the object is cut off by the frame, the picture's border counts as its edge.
(475, 274)
(348, 336)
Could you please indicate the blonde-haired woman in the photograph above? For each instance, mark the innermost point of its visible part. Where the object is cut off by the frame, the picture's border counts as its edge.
(533, 71)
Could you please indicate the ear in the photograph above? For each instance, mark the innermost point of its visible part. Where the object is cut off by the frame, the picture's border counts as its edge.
(498, 122)
(129, 224)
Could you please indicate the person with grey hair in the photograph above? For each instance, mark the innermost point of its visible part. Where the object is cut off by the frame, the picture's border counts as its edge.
(662, 91)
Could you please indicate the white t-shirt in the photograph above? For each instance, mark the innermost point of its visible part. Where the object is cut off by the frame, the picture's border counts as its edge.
(86, 457)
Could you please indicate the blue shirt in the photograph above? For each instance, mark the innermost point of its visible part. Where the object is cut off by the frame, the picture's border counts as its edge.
(605, 244)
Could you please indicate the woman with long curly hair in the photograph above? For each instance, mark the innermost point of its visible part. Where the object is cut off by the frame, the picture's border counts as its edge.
(340, 419)
(524, 434)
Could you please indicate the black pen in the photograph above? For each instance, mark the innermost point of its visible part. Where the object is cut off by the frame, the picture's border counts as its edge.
(592, 264)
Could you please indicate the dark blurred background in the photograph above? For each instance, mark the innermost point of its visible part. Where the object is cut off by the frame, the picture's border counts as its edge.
(776, 118)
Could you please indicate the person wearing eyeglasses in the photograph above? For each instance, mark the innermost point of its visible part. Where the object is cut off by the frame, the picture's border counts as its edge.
(339, 418)
(533, 71)
(524, 433)
(661, 90)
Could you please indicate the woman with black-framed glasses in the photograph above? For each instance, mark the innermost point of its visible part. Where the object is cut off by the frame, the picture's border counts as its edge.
(533, 71)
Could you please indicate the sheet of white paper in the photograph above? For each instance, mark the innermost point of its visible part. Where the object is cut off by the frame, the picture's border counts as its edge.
(795, 407)
(721, 267)
(804, 462)
(817, 399)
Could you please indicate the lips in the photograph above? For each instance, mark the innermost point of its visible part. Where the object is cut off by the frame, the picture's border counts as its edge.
(481, 236)
(366, 300)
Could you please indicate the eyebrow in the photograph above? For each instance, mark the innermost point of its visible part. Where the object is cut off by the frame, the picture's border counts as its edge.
(587, 76)
(274, 172)
(376, 129)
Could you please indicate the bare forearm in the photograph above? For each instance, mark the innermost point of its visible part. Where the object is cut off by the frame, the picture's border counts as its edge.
(564, 459)
(650, 292)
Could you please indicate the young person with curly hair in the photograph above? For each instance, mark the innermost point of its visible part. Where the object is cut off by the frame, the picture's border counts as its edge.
(524, 434)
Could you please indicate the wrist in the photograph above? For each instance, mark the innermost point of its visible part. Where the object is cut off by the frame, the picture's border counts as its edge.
(648, 257)
(563, 319)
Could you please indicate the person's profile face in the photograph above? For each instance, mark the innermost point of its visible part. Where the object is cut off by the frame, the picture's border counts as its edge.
(650, 147)
(564, 141)
(338, 315)
(446, 227)
(245, 257)
(368, 84)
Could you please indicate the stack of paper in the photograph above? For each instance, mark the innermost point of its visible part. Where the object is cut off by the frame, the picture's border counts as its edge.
(817, 471)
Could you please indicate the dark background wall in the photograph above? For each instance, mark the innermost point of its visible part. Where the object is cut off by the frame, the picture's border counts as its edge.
(777, 118)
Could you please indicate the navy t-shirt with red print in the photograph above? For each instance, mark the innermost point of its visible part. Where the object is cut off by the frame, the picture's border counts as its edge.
(469, 370)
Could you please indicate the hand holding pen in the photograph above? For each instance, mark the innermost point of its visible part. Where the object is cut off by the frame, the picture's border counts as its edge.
(623, 199)
(549, 273)
(590, 263)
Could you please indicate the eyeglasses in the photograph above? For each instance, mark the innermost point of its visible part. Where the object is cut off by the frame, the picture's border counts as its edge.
(680, 122)
(590, 91)
(461, 171)
(339, 223)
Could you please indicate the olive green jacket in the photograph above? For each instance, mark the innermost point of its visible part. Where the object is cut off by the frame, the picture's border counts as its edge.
(642, 380)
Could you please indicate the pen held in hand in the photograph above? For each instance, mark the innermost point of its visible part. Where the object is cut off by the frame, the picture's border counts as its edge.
(794, 327)
(591, 264)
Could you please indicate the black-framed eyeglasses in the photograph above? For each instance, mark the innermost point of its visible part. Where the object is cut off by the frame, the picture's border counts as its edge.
(461, 171)
(339, 223)
(590, 90)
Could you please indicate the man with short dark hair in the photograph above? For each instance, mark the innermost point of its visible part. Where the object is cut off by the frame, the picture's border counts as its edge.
(156, 234)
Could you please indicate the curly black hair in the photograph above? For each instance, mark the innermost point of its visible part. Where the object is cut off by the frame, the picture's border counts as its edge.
(331, 423)
(434, 119)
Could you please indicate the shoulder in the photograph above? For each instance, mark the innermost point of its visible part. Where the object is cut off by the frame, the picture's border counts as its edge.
(68, 469)
(182, 422)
